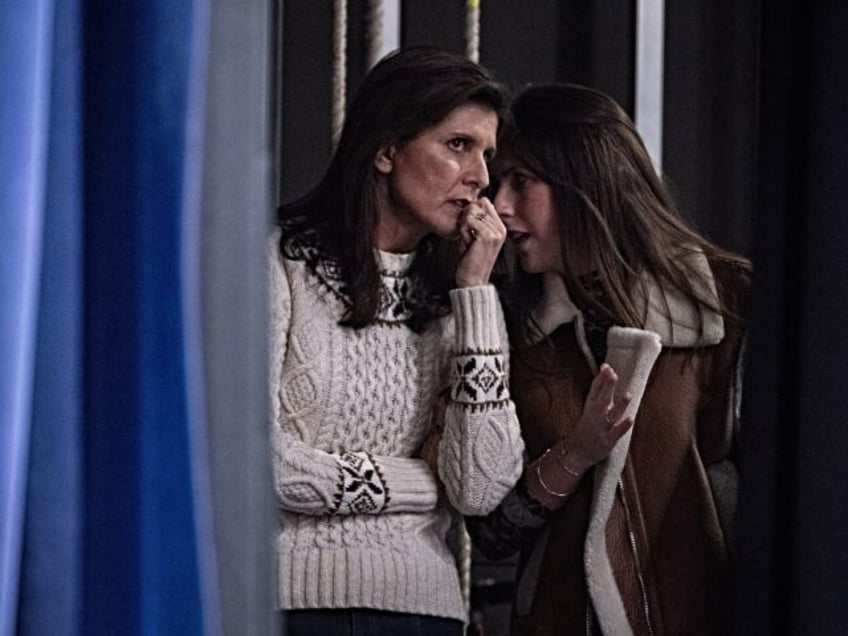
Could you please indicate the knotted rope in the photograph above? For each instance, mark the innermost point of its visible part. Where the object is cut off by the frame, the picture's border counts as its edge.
(337, 112)
(472, 30)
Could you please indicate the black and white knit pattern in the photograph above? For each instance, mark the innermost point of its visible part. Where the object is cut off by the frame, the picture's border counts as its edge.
(362, 489)
(479, 378)
(396, 301)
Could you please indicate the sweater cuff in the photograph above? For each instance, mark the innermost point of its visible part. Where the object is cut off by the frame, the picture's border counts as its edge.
(477, 312)
(412, 485)
(362, 486)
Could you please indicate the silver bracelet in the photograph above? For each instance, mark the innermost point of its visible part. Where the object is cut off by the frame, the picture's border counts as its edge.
(552, 493)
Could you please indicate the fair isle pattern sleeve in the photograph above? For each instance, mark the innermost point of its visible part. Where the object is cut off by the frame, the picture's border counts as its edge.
(479, 379)
(310, 481)
(480, 456)
(362, 489)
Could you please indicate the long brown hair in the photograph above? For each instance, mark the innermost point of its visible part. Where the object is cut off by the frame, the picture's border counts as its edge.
(408, 91)
(613, 208)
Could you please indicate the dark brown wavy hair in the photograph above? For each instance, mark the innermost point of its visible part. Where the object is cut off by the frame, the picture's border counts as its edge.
(408, 91)
(613, 207)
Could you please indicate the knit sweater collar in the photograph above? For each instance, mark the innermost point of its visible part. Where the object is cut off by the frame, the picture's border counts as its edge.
(395, 306)
(394, 263)
(396, 288)
(682, 330)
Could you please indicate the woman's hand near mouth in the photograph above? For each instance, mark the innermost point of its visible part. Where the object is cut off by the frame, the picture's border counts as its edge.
(483, 233)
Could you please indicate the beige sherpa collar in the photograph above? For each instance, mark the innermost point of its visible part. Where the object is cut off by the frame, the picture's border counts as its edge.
(681, 330)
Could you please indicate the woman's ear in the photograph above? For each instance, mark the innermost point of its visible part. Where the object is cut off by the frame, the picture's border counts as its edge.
(384, 161)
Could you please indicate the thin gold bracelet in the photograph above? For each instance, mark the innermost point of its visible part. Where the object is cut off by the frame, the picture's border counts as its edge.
(552, 493)
(561, 461)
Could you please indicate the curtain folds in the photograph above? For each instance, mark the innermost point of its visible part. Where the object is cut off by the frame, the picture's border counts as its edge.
(106, 509)
(138, 171)
(51, 572)
(25, 47)
(791, 562)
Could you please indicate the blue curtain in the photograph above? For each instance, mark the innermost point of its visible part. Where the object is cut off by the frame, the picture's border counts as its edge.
(25, 34)
(103, 516)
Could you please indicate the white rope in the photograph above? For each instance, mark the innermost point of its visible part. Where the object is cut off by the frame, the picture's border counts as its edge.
(472, 30)
(472, 51)
(465, 564)
(375, 31)
(339, 68)
(375, 52)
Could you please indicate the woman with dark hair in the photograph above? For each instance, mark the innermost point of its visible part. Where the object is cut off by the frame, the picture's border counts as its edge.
(627, 330)
(380, 303)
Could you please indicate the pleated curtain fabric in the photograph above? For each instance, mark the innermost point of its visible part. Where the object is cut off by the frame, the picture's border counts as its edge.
(142, 97)
(50, 588)
(105, 508)
(791, 560)
(25, 43)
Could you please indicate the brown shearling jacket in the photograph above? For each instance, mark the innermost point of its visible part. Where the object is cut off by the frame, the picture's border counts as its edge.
(662, 504)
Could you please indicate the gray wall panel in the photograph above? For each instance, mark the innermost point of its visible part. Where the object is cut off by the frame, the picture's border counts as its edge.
(236, 214)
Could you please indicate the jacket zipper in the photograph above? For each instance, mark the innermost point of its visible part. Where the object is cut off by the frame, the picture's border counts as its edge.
(642, 588)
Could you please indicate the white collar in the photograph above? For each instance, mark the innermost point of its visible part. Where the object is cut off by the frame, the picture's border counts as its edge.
(395, 263)
(680, 328)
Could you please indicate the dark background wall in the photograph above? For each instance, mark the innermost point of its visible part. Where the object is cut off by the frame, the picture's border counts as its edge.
(710, 114)
(792, 522)
(710, 83)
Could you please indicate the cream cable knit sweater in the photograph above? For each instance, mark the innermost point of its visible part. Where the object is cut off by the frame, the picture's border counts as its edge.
(362, 522)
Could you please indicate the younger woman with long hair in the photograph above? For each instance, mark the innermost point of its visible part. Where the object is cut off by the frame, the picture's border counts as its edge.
(627, 338)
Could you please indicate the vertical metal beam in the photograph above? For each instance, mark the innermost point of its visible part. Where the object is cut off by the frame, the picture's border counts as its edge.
(650, 47)
(390, 32)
